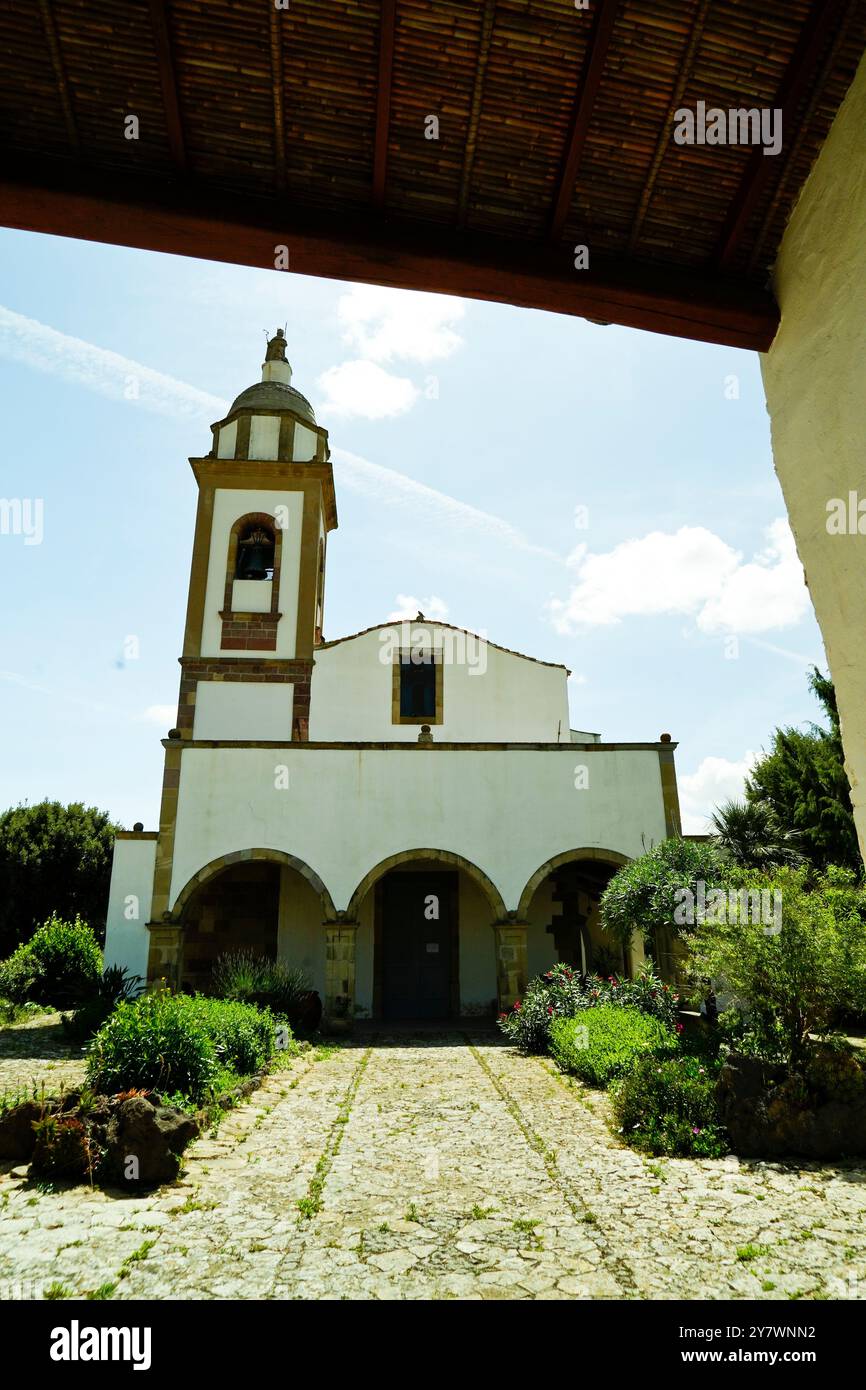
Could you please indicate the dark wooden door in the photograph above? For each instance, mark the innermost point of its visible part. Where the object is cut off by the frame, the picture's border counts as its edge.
(418, 921)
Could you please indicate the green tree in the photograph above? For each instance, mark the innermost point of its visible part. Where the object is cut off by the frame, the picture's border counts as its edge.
(53, 859)
(796, 981)
(644, 895)
(749, 834)
(802, 781)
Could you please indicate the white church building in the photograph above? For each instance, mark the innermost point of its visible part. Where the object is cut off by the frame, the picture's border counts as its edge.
(405, 812)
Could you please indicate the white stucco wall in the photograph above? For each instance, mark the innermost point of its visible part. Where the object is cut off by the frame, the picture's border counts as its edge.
(129, 899)
(229, 505)
(813, 376)
(346, 810)
(265, 437)
(489, 695)
(242, 709)
(306, 444)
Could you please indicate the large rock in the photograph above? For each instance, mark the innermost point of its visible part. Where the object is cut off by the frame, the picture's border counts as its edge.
(17, 1135)
(144, 1142)
(816, 1112)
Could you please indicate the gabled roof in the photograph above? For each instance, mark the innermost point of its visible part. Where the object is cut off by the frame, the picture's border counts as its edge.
(435, 622)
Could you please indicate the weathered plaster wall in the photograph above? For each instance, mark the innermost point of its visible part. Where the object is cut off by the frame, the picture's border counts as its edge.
(814, 380)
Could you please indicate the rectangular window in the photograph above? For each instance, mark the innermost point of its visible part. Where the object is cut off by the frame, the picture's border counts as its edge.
(417, 696)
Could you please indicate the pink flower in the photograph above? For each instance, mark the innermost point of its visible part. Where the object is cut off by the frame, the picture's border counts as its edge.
(696, 1131)
(679, 1027)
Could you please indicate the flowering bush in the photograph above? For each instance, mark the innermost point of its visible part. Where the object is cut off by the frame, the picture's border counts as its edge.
(560, 993)
(563, 992)
(668, 1106)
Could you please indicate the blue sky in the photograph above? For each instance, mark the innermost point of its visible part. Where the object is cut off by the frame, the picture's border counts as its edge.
(595, 496)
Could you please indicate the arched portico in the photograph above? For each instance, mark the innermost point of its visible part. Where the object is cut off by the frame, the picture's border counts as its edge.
(441, 856)
(424, 927)
(251, 899)
(559, 912)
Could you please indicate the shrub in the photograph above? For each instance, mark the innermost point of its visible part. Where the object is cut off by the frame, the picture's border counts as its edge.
(60, 965)
(604, 1042)
(177, 1044)
(254, 979)
(563, 992)
(557, 994)
(667, 1105)
(155, 1043)
(243, 1036)
(54, 859)
(801, 979)
(643, 895)
(115, 987)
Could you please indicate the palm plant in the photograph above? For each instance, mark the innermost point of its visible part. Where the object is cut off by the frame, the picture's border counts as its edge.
(751, 836)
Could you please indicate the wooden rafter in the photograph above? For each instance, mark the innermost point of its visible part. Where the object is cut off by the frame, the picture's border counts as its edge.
(170, 102)
(823, 20)
(475, 109)
(664, 140)
(387, 24)
(590, 80)
(57, 63)
(276, 39)
(134, 212)
(794, 149)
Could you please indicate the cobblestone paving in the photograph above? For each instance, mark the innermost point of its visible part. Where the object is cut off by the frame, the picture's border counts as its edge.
(39, 1052)
(440, 1167)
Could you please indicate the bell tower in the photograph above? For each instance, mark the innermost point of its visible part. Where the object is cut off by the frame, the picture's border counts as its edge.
(256, 590)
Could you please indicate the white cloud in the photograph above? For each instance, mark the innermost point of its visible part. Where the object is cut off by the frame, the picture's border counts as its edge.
(770, 592)
(364, 389)
(161, 714)
(716, 780)
(436, 609)
(381, 324)
(98, 369)
(691, 572)
(396, 490)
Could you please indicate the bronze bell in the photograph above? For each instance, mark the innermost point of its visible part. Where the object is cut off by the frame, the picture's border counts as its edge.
(256, 558)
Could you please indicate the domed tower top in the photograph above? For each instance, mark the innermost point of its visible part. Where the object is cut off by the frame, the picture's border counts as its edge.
(271, 420)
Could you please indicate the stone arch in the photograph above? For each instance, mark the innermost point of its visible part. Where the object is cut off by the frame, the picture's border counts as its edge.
(441, 856)
(272, 856)
(569, 856)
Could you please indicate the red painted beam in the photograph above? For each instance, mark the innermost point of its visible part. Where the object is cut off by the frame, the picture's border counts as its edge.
(172, 219)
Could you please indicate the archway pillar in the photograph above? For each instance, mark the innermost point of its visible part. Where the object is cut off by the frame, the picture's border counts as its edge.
(511, 968)
(339, 1003)
(163, 957)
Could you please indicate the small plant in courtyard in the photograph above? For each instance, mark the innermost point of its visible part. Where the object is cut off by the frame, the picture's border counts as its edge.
(154, 1043)
(116, 986)
(603, 1043)
(667, 1106)
(60, 965)
(252, 979)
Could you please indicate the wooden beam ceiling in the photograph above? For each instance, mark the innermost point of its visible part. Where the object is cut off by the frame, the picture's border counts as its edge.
(171, 104)
(276, 42)
(133, 212)
(60, 76)
(824, 18)
(603, 22)
(383, 99)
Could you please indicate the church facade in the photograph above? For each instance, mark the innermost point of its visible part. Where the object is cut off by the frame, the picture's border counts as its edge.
(403, 813)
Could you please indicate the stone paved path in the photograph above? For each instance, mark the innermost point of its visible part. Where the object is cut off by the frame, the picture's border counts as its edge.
(440, 1167)
(38, 1052)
